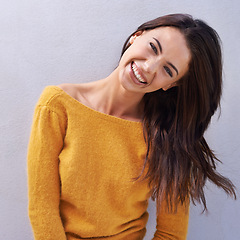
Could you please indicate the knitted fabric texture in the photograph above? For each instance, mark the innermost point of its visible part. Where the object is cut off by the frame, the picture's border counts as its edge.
(81, 169)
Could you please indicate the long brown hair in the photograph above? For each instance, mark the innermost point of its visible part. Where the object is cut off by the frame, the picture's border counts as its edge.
(178, 159)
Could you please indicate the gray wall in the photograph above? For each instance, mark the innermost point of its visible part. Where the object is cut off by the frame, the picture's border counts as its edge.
(51, 42)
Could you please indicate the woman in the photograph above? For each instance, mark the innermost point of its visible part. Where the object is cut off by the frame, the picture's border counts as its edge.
(99, 150)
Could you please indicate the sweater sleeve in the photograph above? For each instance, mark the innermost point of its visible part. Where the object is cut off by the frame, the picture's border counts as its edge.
(172, 226)
(46, 142)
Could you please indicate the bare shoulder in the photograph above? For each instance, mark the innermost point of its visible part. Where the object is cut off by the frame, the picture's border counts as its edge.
(70, 89)
(77, 91)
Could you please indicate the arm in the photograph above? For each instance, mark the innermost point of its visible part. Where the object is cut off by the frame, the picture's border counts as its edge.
(46, 142)
(172, 226)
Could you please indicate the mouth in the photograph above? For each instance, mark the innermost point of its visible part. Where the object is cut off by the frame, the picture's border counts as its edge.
(137, 74)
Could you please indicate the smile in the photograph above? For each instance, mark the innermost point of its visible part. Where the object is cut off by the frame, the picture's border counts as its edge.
(137, 74)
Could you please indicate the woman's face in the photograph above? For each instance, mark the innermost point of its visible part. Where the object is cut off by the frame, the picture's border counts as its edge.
(156, 59)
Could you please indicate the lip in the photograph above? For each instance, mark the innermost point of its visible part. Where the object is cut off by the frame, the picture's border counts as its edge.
(132, 75)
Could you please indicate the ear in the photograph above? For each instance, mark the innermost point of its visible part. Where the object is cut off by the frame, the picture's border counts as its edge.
(169, 86)
(135, 36)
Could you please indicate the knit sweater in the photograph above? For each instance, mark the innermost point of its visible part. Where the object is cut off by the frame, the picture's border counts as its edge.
(81, 169)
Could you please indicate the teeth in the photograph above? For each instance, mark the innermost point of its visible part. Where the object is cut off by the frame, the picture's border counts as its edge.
(137, 75)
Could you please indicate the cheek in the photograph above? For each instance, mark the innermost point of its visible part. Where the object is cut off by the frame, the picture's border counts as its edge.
(124, 60)
(137, 50)
(161, 80)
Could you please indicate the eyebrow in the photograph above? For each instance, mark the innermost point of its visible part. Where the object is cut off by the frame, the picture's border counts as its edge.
(160, 48)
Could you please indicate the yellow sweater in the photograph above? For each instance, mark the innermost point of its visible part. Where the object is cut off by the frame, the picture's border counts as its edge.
(81, 165)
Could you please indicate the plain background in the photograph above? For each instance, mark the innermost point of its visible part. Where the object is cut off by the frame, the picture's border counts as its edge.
(50, 42)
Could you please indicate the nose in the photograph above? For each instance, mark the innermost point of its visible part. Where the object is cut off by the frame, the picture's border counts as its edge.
(152, 65)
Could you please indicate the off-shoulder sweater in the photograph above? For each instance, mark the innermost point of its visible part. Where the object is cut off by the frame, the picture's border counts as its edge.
(82, 166)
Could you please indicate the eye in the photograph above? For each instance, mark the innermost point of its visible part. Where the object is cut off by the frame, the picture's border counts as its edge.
(153, 48)
(168, 71)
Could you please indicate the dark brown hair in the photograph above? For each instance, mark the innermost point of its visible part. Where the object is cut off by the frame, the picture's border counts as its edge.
(178, 159)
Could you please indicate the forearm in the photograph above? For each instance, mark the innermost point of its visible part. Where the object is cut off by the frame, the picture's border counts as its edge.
(44, 205)
(46, 225)
(172, 226)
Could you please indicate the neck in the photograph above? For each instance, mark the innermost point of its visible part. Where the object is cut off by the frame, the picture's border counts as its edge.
(111, 98)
